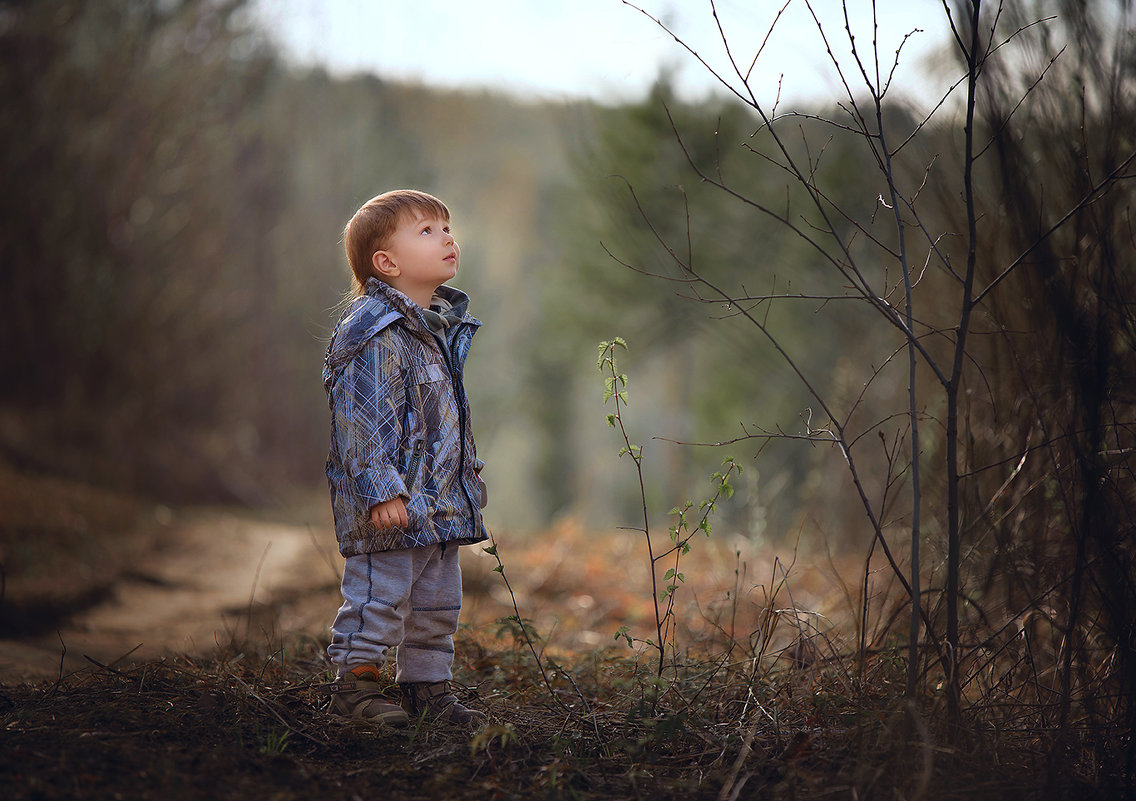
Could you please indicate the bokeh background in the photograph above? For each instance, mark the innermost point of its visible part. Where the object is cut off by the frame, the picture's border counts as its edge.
(178, 175)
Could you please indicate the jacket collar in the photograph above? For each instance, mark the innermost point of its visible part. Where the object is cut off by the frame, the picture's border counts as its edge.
(380, 307)
(458, 300)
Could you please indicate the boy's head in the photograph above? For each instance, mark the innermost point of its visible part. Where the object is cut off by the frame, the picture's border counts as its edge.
(372, 226)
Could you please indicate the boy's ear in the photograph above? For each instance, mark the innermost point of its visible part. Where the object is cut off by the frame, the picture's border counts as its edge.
(384, 265)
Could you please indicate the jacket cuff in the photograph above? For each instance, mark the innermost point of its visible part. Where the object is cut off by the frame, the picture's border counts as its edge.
(379, 485)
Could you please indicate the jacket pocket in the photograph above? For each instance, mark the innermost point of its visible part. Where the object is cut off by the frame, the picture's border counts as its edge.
(428, 373)
(415, 463)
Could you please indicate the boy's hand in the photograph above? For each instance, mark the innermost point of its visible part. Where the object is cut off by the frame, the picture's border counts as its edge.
(390, 514)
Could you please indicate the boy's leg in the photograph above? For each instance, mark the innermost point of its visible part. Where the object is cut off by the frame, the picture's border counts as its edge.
(376, 594)
(376, 591)
(426, 654)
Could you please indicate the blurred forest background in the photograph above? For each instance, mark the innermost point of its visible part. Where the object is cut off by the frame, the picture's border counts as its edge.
(171, 267)
(170, 263)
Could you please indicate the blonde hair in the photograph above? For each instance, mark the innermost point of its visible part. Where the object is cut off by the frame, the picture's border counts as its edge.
(371, 227)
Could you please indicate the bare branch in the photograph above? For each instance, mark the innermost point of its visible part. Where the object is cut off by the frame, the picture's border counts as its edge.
(1021, 100)
(765, 41)
(895, 63)
(850, 272)
(692, 52)
(1088, 199)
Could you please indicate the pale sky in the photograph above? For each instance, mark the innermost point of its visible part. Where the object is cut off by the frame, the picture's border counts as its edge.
(601, 49)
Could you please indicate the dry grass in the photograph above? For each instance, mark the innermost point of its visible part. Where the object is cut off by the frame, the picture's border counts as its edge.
(249, 725)
(246, 722)
(766, 698)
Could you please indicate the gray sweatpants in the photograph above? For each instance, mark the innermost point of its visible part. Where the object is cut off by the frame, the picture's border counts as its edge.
(409, 599)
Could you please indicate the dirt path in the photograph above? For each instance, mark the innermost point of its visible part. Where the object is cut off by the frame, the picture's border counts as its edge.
(216, 575)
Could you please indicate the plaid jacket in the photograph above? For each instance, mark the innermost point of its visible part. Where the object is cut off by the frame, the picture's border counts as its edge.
(400, 423)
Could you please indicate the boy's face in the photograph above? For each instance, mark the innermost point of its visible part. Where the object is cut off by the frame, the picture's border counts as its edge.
(420, 256)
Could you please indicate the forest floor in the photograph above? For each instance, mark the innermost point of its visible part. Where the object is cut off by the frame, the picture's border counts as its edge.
(148, 652)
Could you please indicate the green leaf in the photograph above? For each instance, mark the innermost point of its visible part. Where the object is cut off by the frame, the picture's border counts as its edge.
(669, 574)
(611, 420)
(499, 569)
(491, 550)
(623, 396)
(619, 341)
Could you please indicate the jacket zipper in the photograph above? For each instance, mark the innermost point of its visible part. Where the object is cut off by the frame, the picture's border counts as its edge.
(459, 394)
(415, 461)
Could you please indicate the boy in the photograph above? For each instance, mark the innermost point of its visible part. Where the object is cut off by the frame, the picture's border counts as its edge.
(402, 467)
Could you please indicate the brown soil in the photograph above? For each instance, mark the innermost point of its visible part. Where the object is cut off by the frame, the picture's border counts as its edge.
(153, 653)
(92, 574)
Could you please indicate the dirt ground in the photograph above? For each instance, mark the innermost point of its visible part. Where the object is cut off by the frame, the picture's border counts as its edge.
(187, 582)
(91, 575)
(209, 573)
(178, 653)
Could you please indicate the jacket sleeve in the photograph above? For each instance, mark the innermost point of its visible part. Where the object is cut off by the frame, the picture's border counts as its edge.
(368, 400)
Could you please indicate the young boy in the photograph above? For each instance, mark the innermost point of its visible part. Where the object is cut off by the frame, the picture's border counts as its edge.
(402, 467)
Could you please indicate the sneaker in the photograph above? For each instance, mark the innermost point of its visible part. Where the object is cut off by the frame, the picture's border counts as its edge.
(435, 701)
(359, 696)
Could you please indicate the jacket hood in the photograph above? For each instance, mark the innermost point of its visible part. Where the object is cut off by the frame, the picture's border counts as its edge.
(380, 307)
